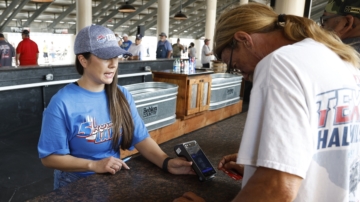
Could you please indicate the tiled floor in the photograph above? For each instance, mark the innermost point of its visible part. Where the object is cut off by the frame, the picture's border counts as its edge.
(22, 176)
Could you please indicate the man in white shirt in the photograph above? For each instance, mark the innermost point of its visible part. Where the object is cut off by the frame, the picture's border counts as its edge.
(136, 49)
(206, 54)
(301, 140)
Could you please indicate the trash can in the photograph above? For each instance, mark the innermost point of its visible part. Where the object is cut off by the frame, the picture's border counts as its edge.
(225, 90)
(155, 102)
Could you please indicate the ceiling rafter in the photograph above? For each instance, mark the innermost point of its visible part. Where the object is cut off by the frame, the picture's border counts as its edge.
(112, 14)
(62, 16)
(204, 17)
(37, 13)
(172, 12)
(122, 21)
(14, 13)
(188, 12)
(8, 10)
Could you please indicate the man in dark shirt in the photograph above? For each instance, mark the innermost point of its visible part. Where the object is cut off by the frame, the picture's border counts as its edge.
(27, 52)
(343, 17)
(7, 52)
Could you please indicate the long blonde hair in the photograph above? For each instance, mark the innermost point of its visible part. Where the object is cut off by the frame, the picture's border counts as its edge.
(259, 18)
(119, 109)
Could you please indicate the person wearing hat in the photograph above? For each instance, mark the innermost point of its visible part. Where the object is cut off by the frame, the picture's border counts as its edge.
(27, 52)
(137, 49)
(343, 17)
(164, 48)
(177, 48)
(118, 39)
(126, 43)
(206, 54)
(88, 121)
(7, 52)
(301, 139)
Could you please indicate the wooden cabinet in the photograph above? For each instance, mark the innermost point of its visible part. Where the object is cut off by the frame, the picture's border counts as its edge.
(193, 93)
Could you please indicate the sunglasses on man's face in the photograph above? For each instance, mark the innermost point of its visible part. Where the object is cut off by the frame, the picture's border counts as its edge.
(324, 18)
(230, 68)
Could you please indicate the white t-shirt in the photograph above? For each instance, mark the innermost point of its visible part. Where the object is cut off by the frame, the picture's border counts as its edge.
(192, 52)
(137, 50)
(304, 119)
(205, 50)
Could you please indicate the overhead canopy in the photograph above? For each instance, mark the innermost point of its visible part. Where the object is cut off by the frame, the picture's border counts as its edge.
(61, 14)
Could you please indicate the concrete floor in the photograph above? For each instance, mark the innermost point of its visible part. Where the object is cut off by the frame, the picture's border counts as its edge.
(22, 176)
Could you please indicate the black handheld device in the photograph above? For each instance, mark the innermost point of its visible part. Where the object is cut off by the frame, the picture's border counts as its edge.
(201, 164)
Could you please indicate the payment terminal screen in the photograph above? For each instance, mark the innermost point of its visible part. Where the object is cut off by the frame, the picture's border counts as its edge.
(200, 159)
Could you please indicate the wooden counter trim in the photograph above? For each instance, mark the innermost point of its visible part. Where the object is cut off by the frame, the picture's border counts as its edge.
(182, 127)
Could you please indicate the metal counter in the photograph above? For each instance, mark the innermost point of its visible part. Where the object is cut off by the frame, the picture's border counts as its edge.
(225, 90)
(155, 102)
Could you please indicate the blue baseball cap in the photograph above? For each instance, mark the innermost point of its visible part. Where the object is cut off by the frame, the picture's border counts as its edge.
(99, 41)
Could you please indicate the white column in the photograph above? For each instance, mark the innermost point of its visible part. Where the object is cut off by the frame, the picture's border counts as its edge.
(163, 17)
(198, 45)
(243, 2)
(293, 7)
(210, 20)
(83, 14)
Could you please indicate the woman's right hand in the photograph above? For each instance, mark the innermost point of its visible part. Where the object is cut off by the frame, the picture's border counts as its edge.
(110, 164)
(229, 163)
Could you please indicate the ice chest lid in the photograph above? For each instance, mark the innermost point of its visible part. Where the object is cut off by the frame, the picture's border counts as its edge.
(222, 78)
(147, 89)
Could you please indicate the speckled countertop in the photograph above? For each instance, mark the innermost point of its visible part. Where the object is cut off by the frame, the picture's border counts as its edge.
(146, 182)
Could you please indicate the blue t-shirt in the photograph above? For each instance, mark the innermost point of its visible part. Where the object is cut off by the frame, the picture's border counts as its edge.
(126, 45)
(77, 122)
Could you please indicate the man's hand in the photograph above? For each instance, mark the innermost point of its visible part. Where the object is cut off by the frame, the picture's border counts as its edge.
(229, 162)
(189, 197)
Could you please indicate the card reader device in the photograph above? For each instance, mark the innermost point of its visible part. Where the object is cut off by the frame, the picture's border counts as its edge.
(201, 164)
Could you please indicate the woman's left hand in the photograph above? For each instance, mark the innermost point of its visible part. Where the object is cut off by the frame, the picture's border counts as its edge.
(180, 166)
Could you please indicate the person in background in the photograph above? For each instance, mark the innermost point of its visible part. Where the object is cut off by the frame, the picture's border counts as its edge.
(52, 52)
(301, 140)
(137, 49)
(7, 52)
(164, 48)
(118, 39)
(126, 43)
(83, 136)
(343, 17)
(45, 53)
(177, 48)
(192, 50)
(27, 52)
(206, 54)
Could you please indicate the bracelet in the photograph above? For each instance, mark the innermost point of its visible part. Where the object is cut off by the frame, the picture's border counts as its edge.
(165, 164)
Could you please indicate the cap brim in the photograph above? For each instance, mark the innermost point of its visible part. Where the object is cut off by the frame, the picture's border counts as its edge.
(109, 52)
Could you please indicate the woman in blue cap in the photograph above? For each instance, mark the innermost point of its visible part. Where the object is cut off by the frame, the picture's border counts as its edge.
(87, 122)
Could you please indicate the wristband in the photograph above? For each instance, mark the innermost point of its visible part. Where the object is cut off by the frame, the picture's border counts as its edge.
(165, 164)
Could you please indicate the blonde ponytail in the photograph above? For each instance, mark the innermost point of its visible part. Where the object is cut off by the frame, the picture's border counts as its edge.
(259, 18)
